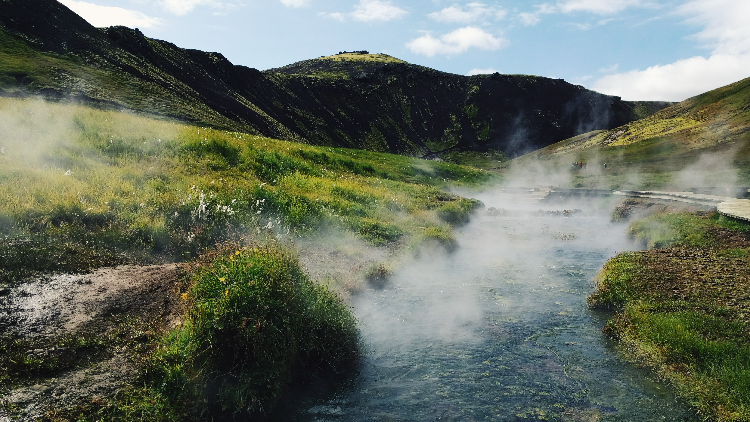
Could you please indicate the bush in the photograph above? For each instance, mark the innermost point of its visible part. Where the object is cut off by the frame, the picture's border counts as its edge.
(258, 321)
(442, 236)
(376, 232)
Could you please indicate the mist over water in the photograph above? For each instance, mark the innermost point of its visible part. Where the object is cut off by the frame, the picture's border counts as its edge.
(498, 330)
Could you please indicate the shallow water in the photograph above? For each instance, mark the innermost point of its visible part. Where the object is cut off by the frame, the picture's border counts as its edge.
(498, 330)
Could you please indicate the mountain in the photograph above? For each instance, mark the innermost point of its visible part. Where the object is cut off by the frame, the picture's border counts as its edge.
(357, 100)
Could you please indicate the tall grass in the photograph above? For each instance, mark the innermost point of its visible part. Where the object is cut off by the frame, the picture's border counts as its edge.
(114, 187)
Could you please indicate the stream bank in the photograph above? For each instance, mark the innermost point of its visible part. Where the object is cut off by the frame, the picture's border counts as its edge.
(682, 309)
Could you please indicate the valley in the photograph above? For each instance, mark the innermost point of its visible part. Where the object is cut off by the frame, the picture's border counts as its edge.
(353, 237)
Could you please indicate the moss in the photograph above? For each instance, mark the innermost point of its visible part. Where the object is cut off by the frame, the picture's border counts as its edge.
(357, 57)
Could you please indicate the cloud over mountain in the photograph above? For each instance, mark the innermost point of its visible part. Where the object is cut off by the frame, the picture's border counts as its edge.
(456, 42)
(102, 16)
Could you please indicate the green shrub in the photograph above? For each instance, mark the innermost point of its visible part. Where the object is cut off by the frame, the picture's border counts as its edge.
(454, 213)
(374, 231)
(258, 321)
(615, 281)
(270, 167)
(443, 236)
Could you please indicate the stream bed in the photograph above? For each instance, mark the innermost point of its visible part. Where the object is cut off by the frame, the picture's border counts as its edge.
(497, 330)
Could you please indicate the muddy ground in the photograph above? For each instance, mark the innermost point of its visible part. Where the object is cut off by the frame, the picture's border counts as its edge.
(79, 333)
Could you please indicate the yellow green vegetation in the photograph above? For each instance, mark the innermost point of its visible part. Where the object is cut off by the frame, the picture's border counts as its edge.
(683, 309)
(84, 188)
(649, 153)
(363, 57)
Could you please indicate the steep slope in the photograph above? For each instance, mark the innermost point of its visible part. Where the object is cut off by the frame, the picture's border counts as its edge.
(358, 100)
(709, 133)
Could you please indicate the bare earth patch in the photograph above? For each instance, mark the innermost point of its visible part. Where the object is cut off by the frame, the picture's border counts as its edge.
(719, 274)
(40, 312)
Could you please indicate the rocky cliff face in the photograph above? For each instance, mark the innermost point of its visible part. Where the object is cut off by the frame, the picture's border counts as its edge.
(355, 100)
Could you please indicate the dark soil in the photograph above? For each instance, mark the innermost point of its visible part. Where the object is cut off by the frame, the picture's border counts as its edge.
(716, 275)
(630, 209)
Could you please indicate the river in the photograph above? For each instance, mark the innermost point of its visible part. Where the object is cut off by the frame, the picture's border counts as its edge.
(497, 330)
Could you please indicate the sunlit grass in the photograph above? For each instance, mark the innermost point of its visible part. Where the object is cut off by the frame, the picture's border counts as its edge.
(133, 188)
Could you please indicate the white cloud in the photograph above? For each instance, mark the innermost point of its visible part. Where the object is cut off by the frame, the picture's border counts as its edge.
(724, 31)
(341, 17)
(610, 69)
(183, 7)
(102, 16)
(456, 42)
(473, 12)
(725, 25)
(600, 7)
(367, 11)
(488, 71)
(676, 81)
(377, 10)
(529, 19)
(295, 3)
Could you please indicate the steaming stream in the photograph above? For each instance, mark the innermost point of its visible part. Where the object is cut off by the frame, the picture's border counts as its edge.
(498, 330)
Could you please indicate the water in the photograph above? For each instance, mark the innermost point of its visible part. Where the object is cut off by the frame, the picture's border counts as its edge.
(498, 330)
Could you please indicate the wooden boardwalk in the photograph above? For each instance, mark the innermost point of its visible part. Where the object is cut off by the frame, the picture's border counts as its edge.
(735, 208)
(730, 207)
(725, 205)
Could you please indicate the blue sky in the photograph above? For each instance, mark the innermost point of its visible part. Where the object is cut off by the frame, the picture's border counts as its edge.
(637, 49)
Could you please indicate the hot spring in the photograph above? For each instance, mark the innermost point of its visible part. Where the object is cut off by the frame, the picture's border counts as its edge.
(498, 330)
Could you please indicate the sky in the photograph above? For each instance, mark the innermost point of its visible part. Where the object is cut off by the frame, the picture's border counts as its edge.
(662, 50)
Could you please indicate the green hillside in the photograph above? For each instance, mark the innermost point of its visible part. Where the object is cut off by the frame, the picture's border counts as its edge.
(114, 187)
(709, 133)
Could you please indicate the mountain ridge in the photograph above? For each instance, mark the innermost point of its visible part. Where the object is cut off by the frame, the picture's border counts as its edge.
(383, 105)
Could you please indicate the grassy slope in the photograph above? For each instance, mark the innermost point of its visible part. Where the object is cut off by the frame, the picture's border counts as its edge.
(119, 187)
(649, 152)
(682, 309)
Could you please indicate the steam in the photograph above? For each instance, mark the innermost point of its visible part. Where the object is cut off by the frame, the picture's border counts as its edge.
(30, 130)
(710, 170)
(503, 266)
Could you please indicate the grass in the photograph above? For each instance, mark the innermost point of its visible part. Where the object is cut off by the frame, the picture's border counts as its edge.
(679, 309)
(686, 145)
(255, 323)
(483, 160)
(109, 187)
(354, 56)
